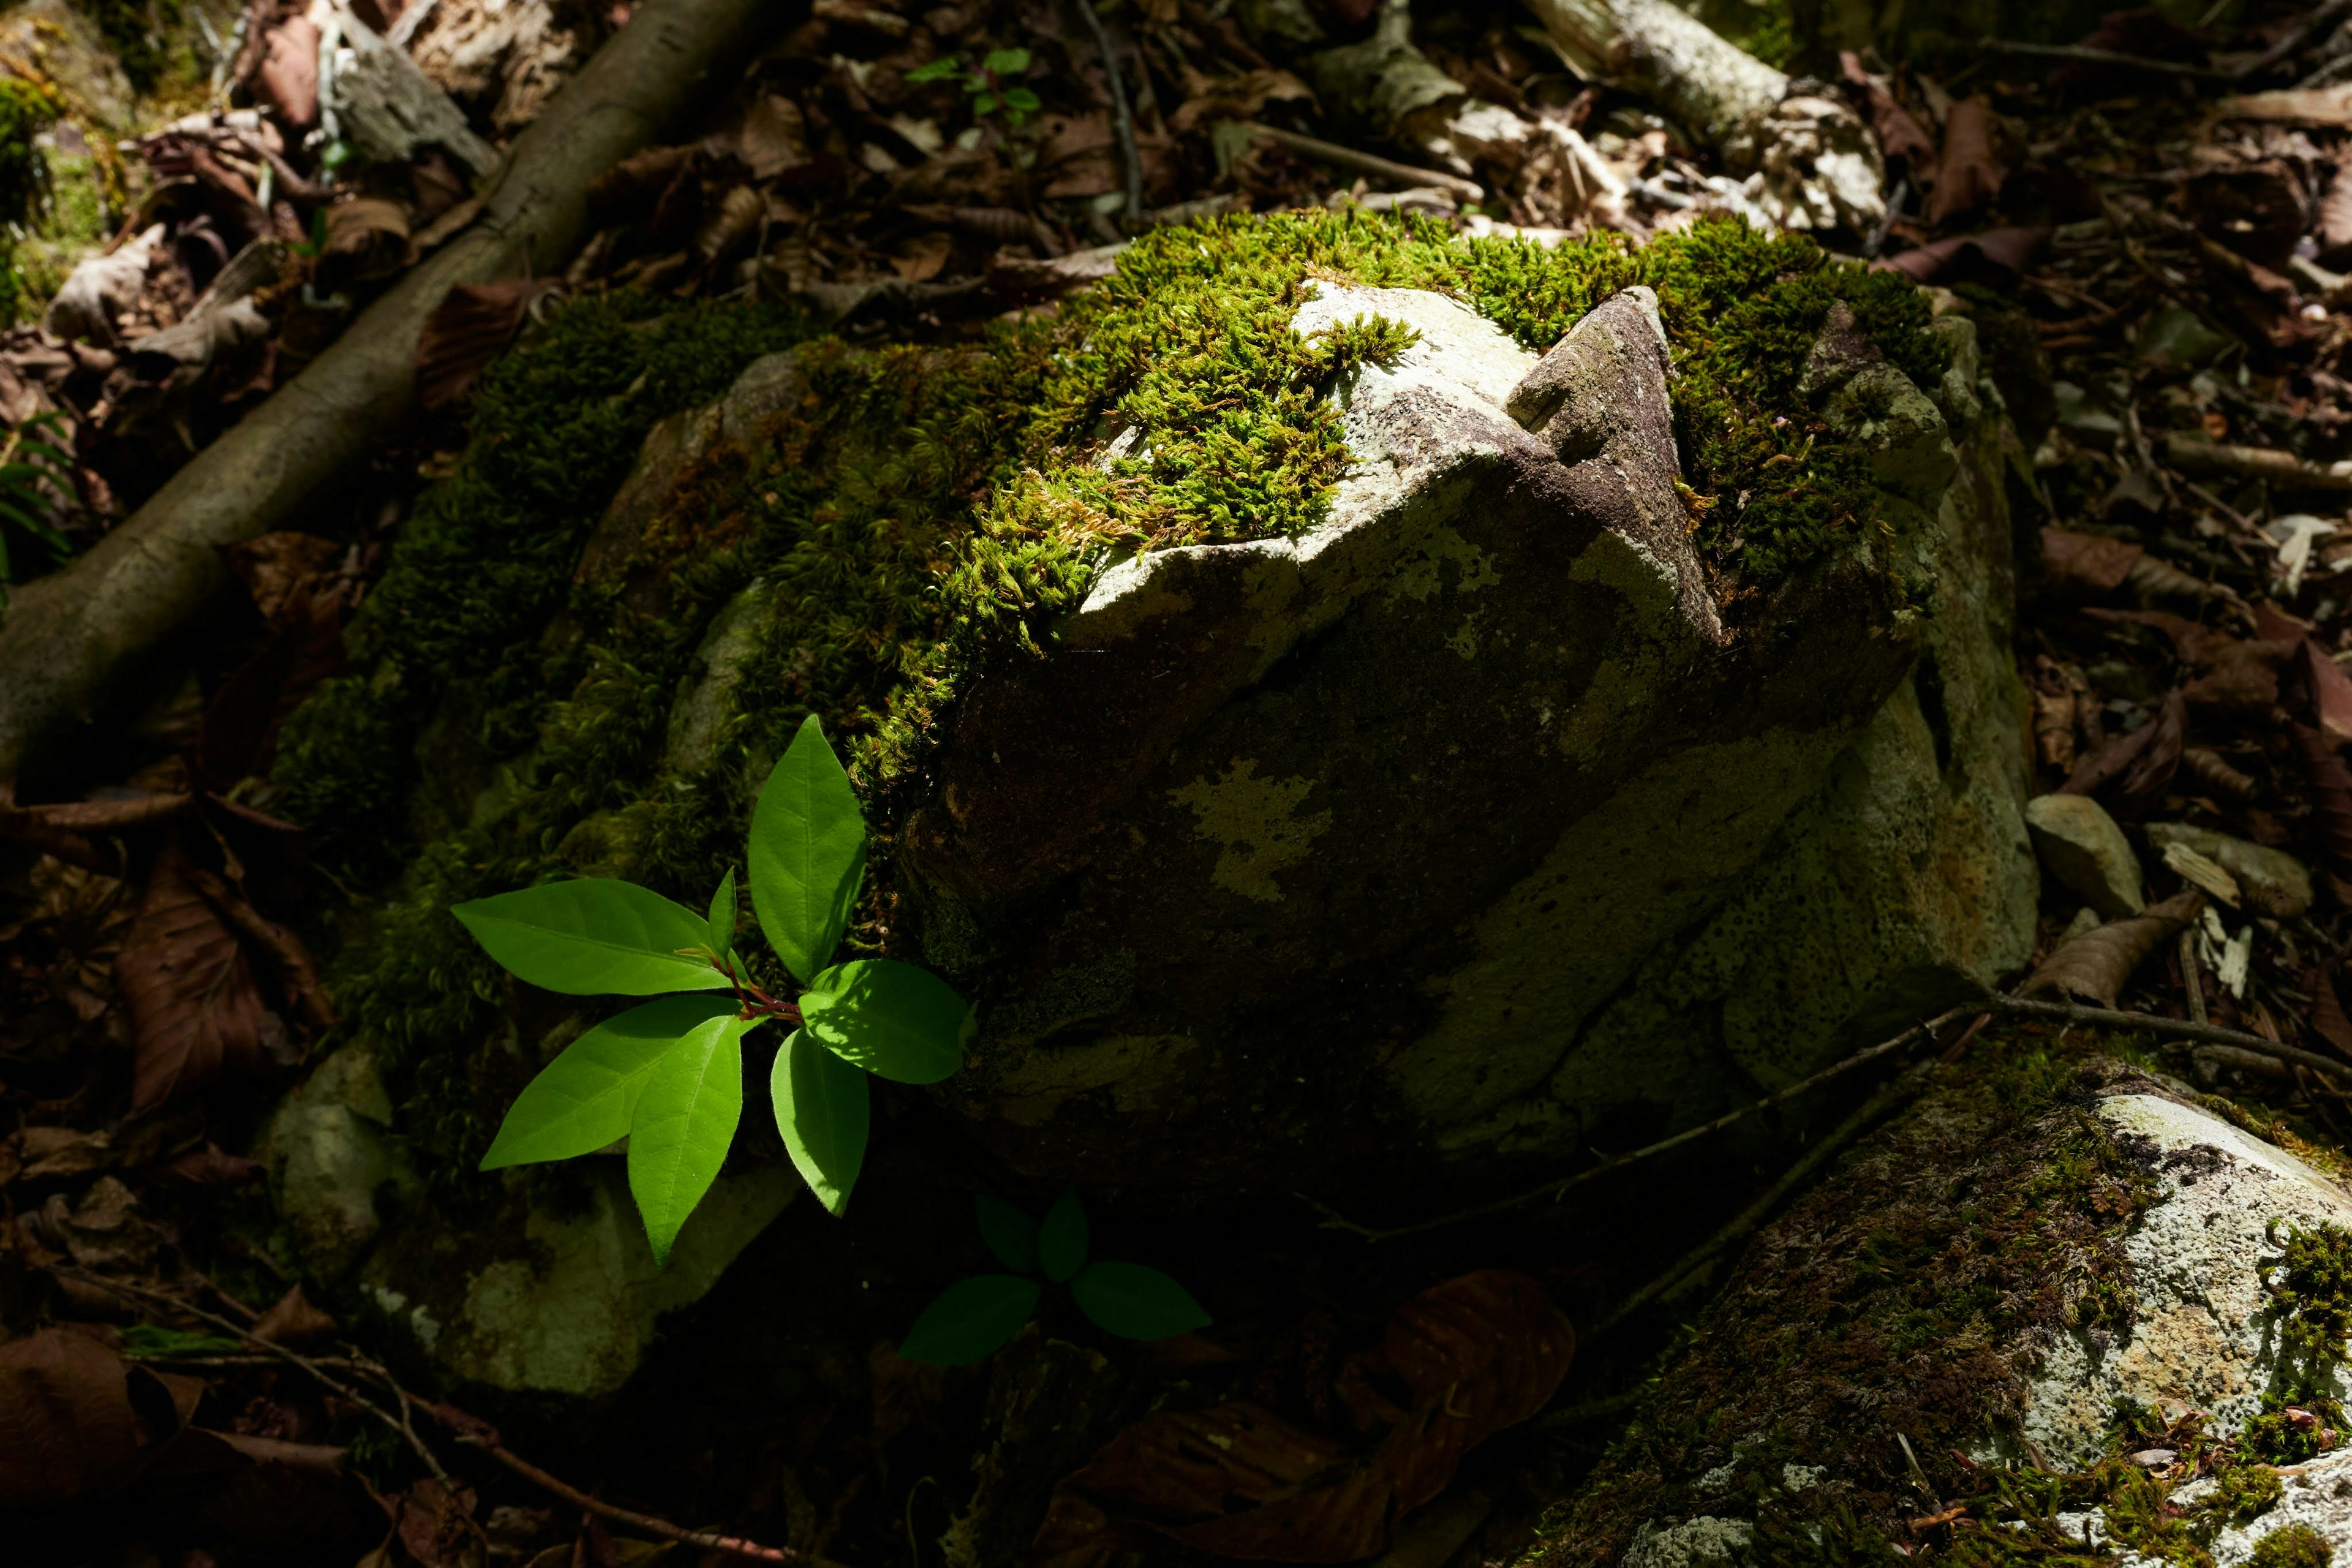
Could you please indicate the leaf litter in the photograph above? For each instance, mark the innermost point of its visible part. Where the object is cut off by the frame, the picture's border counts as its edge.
(2165, 320)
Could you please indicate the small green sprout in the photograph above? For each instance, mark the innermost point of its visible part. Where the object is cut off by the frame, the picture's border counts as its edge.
(973, 1318)
(669, 1075)
(986, 83)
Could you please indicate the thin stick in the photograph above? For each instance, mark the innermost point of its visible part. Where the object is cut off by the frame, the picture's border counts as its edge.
(1335, 1221)
(2179, 1028)
(2190, 981)
(1364, 162)
(2089, 55)
(267, 1347)
(1751, 1219)
(1121, 119)
(478, 1435)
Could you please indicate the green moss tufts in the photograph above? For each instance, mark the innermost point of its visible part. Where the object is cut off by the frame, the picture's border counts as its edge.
(924, 513)
(2243, 1493)
(2291, 1546)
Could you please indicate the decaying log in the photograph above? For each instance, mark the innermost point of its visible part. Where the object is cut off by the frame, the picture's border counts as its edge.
(70, 640)
(1821, 168)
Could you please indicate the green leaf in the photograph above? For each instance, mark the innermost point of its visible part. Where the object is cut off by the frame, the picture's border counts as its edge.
(984, 104)
(585, 1098)
(1007, 62)
(1010, 1234)
(1021, 100)
(594, 936)
(1135, 1303)
(722, 916)
(808, 853)
(824, 1109)
(944, 68)
(1061, 1239)
(891, 1018)
(971, 1319)
(685, 1119)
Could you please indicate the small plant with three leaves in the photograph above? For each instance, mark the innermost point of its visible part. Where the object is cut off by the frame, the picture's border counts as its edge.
(973, 1318)
(669, 1074)
(986, 83)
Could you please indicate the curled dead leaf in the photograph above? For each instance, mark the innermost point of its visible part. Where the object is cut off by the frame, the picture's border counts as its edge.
(2085, 566)
(76, 1420)
(1455, 1364)
(2330, 783)
(2130, 772)
(293, 1320)
(472, 326)
(1968, 173)
(2096, 965)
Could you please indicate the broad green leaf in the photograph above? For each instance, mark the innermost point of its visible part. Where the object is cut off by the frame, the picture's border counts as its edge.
(1010, 1234)
(1021, 99)
(584, 1099)
(824, 1109)
(940, 69)
(893, 1019)
(984, 104)
(1135, 1303)
(1062, 1238)
(722, 916)
(685, 1119)
(594, 936)
(971, 1319)
(808, 853)
(1005, 62)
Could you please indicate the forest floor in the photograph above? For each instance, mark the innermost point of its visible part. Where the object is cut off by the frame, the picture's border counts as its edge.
(2153, 272)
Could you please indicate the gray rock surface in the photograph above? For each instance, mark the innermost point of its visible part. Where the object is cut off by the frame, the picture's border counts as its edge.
(551, 1290)
(2084, 848)
(1463, 807)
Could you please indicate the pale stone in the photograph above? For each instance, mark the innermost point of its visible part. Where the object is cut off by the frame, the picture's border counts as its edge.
(2082, 846)
(2284, 880)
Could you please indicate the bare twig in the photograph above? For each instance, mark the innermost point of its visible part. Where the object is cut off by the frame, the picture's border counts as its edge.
(2190, 981)
(2091, 56)
(2291, 42)
(1750, 1220)
(267, 1347)
(480, 1436)
(1341, 157)
(1122, 119)
(2178, 1028)
(1333, 1220)
(2199, 454)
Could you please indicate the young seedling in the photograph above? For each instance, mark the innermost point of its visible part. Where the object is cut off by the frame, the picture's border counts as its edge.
(986, 82)
(973, 1318)
(669, 1074)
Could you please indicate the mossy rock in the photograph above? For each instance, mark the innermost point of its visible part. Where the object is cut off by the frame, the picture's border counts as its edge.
(1131, 617)
(2009, 1296)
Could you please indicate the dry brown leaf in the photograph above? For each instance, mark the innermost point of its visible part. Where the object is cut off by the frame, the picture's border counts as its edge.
(2335, 215)
(2328, 1018)
(773, 137)
(920, 258)
(70, 1427)
(1237, 97)
(195, 1010)
(1967, 174)
(736, 219)
(2131, 773)
(273, 566)
(2085, 566)
(471, 327)
(2213, 771)
(293, 1321)
(1456, 1364)
(2096, 965)
(1900, 133)
(2330, 782)
(212, 1166)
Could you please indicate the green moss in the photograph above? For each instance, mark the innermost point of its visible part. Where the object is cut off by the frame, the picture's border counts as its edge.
(2243, 1493)
(2291, 1546)
(142, 34)
(926, 513)
(27, 107)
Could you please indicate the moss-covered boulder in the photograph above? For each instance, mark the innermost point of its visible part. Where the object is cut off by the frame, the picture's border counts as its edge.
(1354, 705)
(1472, 822)
(2062, 1294)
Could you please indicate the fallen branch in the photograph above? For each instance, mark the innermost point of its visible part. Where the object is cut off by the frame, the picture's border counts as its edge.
(2177, 1029)
(1341, 157)
(2200, 455)
(73, 639)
